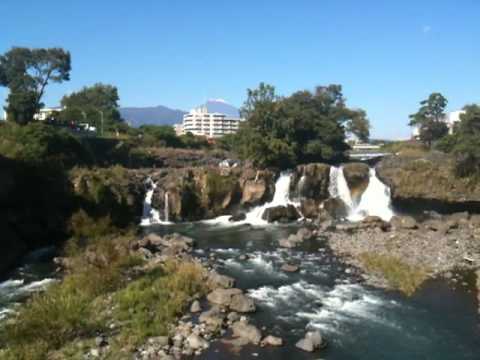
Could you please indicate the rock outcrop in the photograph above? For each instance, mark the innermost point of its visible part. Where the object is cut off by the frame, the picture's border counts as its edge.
(207, 192)
(281, 214)
(428, 183)
(311, 181)
(357, 176)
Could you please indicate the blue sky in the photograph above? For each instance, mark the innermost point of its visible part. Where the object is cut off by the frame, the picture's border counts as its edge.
(388, 55)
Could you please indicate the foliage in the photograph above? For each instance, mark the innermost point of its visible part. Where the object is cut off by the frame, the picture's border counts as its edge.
(398, 274)
(464, 143)
(191, 141)
(359, 125)
(27, 72)
(88, 105)
(410, 148)
(304, 127)
(163, 135)
(430, 119)
(42, 144)
(70, 309)
(218, 187)
(148, 305)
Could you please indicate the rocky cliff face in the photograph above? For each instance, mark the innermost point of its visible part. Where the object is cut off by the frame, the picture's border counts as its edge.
(116, 192)
(428, 182)
(207, 192)
(310, 185)
(357, 176)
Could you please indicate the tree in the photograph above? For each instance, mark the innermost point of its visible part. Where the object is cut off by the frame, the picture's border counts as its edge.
(464, 143)
(27, 72)
(359, 125)
(285, 131)
(91, 102)
(430, 119)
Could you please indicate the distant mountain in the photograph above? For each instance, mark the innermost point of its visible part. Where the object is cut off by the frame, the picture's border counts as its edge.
(158, 115)
(221, 106)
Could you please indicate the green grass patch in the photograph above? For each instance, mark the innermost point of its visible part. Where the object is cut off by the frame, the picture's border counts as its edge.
(399, 275)
(148, 305)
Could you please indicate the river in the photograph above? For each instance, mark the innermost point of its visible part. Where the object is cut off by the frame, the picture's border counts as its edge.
(360, 322)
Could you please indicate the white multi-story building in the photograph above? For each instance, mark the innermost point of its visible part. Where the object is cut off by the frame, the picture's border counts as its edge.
(202, 123)
(450, 120)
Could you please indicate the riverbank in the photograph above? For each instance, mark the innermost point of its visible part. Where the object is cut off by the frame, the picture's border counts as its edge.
(404, 253)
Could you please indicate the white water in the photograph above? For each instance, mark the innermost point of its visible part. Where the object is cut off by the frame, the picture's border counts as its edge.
(151, 216)
(338, 187)
(375, 201)
(281, 197)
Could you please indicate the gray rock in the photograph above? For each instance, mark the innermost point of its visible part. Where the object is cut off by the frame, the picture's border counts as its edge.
(404, 222)
(246, 331)
(222, 281)
(195, 307)
(223, 296)
(196, 342)
(289, 268)
(313, 341)
(242, 304)
(271, 340)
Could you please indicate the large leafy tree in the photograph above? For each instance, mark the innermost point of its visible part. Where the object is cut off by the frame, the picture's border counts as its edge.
(359, 125)
(27, 73)
(285, 131)
(430, 119)
(91, 103)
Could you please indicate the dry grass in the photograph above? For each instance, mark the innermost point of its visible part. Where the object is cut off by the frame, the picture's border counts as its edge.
(399, 275)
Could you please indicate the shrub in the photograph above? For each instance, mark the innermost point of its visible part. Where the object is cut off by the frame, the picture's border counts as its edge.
(148, 305)
(41, 144)
(48, 321)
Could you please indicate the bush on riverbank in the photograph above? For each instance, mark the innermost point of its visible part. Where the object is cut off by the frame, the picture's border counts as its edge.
(149, 305)
(397, 273)
(97, 290)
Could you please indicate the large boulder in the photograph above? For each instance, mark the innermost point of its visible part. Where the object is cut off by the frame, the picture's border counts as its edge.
(257, 186)
(357, 176)
(223, 297)
(336, 208)
(282, 214)
(246, 331)
(311, 181)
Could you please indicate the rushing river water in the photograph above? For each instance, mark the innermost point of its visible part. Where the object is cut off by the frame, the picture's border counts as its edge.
(36, 272)
(360, 322)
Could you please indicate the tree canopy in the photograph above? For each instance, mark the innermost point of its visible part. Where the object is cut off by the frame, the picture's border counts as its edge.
(26, 73)
(430, 119)
(90, 102)
(301, 128)
(464, 143)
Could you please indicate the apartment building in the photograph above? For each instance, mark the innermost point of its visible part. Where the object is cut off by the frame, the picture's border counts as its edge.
(212, 125)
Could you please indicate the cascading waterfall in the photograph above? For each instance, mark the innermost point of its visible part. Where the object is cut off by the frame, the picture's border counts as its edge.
(150, 215)
(338, 187)
(281, 197)
(375, 201)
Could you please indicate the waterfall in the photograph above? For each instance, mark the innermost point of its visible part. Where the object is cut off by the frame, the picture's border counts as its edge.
(166, 210)
(338, 187)
(150, 215)
(281, 197)
(375, 201)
